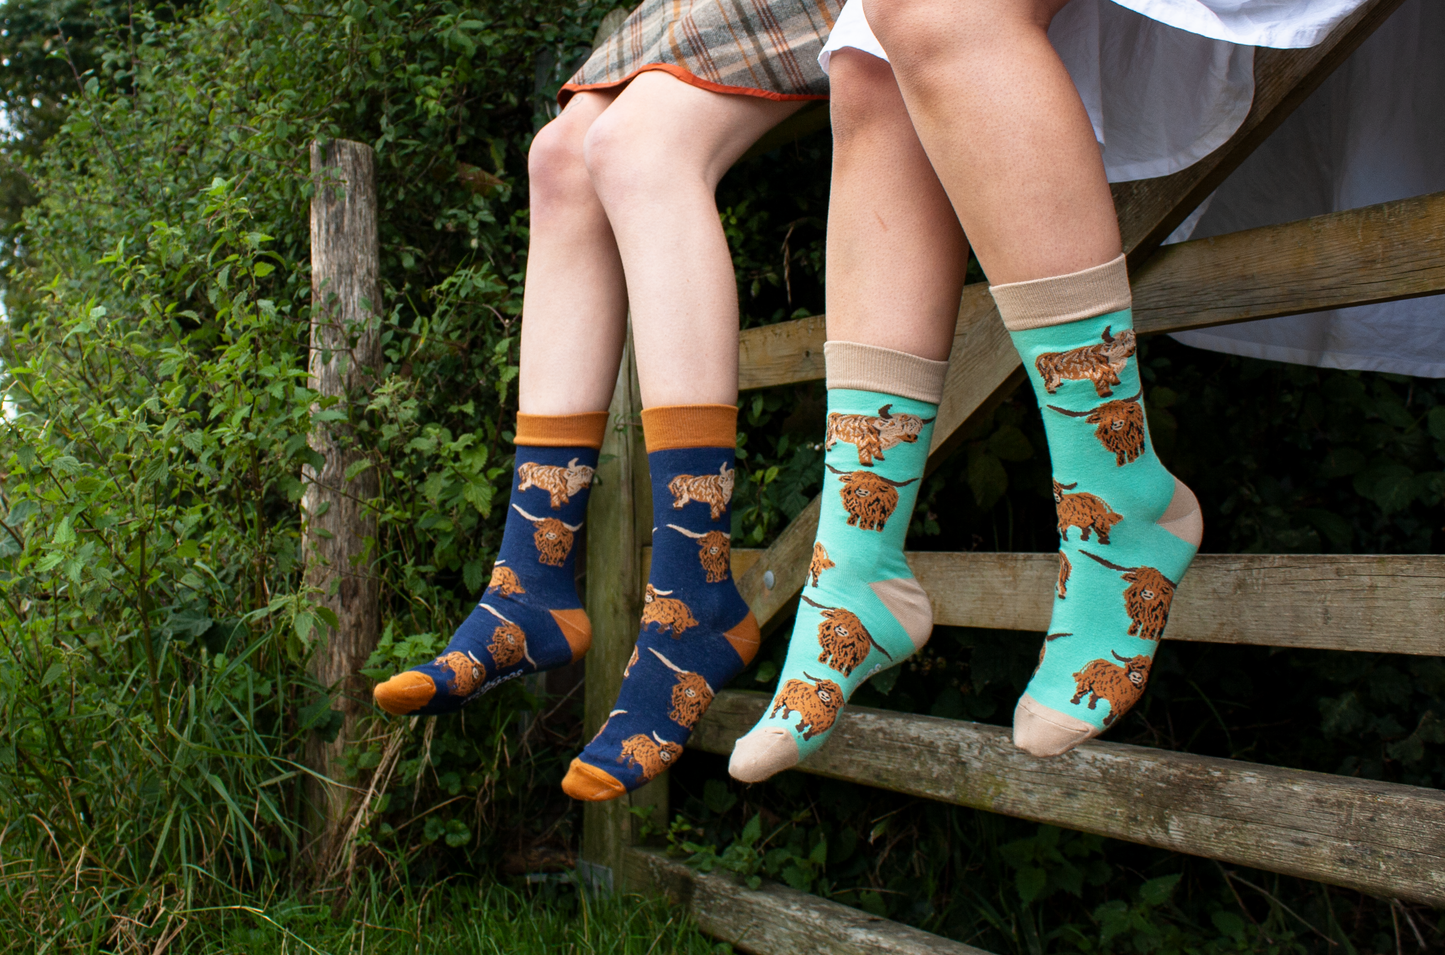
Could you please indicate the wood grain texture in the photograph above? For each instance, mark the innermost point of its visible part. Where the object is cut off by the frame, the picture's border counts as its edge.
(619, 523)
(1150, 209)
(1383, 604)
(782, 354)
(777, 920)
(1382, 838)
(1375, 254)
(337, 515)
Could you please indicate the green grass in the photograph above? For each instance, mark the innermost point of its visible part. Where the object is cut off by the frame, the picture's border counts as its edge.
(488, 919)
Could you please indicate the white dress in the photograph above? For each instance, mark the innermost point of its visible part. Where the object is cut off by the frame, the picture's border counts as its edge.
(1166, 82)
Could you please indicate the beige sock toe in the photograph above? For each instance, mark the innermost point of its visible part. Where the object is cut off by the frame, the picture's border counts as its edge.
(1040, 731)
(761, 754)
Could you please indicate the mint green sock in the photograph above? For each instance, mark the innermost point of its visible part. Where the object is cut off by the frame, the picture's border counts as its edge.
(1127, 527)
(861, 609)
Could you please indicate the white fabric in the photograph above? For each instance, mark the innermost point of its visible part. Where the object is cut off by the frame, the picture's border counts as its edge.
(1374, 132)
(1160, 99)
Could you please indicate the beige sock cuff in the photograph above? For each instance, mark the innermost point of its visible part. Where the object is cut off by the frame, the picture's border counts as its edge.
(1064, 298)
(870, 368)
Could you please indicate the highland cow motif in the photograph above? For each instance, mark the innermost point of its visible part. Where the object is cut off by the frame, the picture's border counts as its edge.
(1043, 649)
(714, 490)
(1065, 569)
(1100, 364)
(1120, 427)
(509, 642)
(1084, 510)
(652, 756)
(552, 537)
(561, 483)
(691, 695)
(666, 612)
(873, 435)
(1120, 686)
(631, 662)
(817, 704)
(505, 582)
(819, 563)
(868, 498)
(714, 550)
(467, 671)
(844, 639)
(1146, 599)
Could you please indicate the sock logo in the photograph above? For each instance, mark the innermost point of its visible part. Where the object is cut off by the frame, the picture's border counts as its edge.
(1100, 364)
(1066, 569)
(1146, 599)
(666, 612)
(561, 483)
(1119, 686)
(652, 756)
(817, 705)
(1120, 426)
(714, 490)
(1084, 510)
(868, 498)
(552, 537)
(691, 695)
(872, 435)
(819, 563)
(844, 639)
(714, 551)
(505, 581)
(467, 671)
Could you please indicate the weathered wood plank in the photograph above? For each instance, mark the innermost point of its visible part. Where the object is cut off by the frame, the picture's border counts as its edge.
(1362, 256)
(777, 920)
(1381, 838)
(619, 522)
(1375, 254)
(782, 354)
(1150, 209)
(1384, 604)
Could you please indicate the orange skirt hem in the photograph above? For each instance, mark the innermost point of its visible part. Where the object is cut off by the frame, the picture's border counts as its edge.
(569, 89)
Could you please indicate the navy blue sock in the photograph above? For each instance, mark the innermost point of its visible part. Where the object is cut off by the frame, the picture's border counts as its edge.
(697, 633)
(530, 618)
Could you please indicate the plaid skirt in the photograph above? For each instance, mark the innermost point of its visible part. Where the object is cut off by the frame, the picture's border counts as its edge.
(765, 48)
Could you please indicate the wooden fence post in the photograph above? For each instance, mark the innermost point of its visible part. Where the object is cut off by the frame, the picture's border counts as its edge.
(337, 521)
(619, 525)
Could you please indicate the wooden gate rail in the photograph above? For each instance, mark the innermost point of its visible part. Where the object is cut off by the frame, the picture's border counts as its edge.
(777, 920)
(1381, 838)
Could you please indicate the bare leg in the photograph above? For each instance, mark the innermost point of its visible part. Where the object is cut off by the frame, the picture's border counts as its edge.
(574, 307)
(656, 155)
(1003, 124)
(896, 254)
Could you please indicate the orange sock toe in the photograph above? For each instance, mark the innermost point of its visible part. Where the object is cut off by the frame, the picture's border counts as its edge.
(590, 784)
(405, 693)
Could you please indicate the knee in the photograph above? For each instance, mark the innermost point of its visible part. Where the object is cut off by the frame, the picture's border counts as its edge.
(556, 171)
(863, 96)
(625, 155)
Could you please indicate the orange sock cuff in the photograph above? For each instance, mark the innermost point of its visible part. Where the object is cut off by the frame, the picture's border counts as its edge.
(669, 427)
(561, 430)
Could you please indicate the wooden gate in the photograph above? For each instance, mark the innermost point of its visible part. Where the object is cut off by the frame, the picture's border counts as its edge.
(1380, 838)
